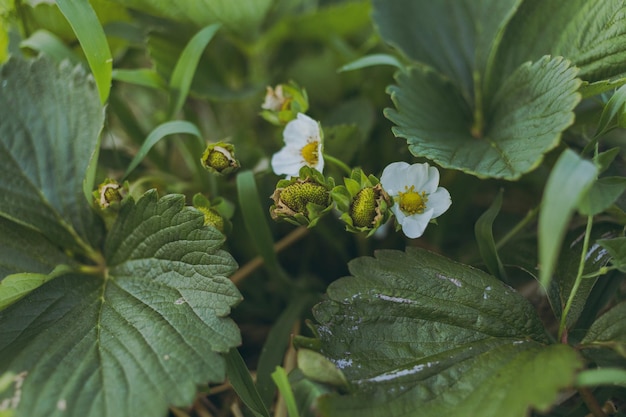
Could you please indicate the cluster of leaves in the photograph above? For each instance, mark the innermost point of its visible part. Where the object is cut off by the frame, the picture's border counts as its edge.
(126, 309)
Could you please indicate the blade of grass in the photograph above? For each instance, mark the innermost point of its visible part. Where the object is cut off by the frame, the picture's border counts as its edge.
(276, 344)
(84, 21)
(161, 131)
(569, 180)
(282, 382)
(143, 77)
(370, 61)
(483, 229)
(180, 83)
(240, 379)
(256, 225)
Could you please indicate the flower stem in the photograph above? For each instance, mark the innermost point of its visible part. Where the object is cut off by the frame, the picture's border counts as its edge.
(579, 277)
(255, 263)
(518, 227)
(338, 163)
(591, 402)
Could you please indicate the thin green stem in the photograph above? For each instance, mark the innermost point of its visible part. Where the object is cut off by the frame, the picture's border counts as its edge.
(90, 269)
(530, 216)
(338, 163)
(579, 277)
(602, 271)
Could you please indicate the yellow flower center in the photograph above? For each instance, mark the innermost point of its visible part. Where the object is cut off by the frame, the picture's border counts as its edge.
(412, 202)
(309, 153)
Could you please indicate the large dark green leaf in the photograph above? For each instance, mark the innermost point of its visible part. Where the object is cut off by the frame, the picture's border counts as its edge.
(454, 37)
(487, 111)
(524, 120)
(136, 338)
(419, 335)
(591, 34)
(49, 131)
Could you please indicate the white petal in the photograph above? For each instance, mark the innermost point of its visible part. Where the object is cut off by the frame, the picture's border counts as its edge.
(417, 175)
(414, 226)
(301, 131)
(274, 99)
(320, 158)
(439, 201)
(430, 186)
(287, 161)
(393, 178)
(395, 209)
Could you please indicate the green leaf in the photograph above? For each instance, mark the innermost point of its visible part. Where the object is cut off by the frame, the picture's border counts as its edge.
(588, 89)
(604, 159)
(334, 21)
(570, 179)
(239, 377)
(163, 130)
(418, 334)
(609, 330)
(144, 77)
(45, 148)
(371, 61)
(591, 34)
(242, 16)
(456, 38)
(317, 368)
(603, 376)
(483, 229)
(533, 106)
(137, 338)
(617, 250)
(49, 44)
(612, 113)
(24, 250)
(602, 195)
(17, 286)
(180, 83)
(90, 34)
(257, 226)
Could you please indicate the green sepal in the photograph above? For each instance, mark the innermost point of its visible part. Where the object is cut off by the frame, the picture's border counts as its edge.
(302, 200)
(349, 200)
(217, 212)
(318, 368)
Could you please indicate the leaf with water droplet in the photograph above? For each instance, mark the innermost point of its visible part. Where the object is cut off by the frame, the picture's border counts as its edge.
(416, 331)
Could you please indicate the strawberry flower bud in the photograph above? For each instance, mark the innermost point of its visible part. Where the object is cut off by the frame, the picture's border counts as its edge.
(363, 203)
(219, 158)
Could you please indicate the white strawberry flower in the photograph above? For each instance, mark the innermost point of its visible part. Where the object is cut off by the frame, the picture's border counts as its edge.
(416, 194)
(303, 147)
